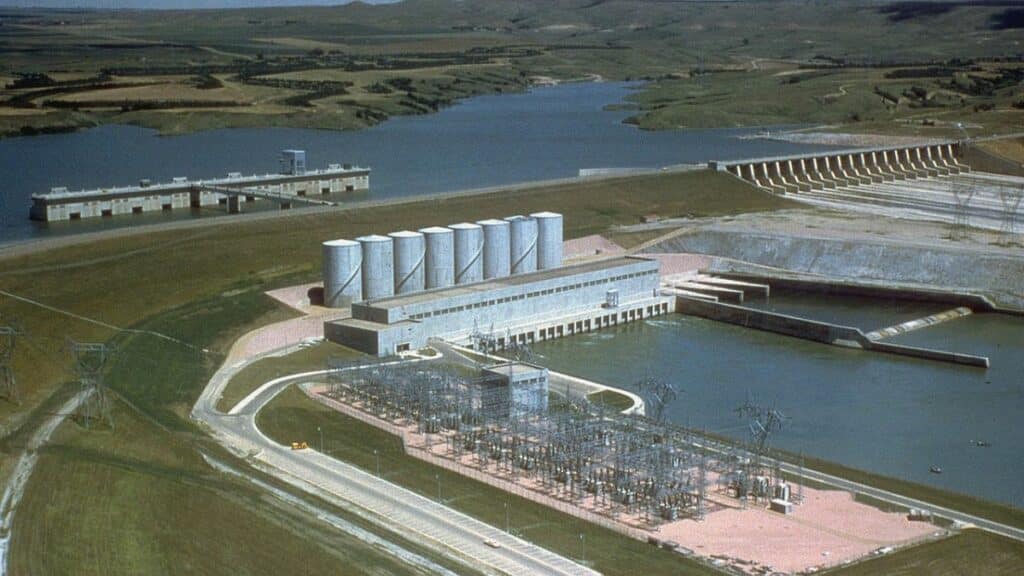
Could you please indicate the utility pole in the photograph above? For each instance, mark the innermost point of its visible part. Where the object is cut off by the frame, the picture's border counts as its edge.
(1011, 199)
(963, 193)
(508, 526)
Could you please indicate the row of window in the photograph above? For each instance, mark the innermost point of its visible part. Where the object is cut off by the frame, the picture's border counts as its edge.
(547, 292)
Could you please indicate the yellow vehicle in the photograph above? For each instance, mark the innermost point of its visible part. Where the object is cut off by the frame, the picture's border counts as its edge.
(299, 445)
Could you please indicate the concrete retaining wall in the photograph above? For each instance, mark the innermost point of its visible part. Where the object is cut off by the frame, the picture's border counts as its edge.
(975, 302)
(814, 330)
(772, 322)
(1000, 277)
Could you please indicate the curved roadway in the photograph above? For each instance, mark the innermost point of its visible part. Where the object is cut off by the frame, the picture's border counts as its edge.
(407, 513)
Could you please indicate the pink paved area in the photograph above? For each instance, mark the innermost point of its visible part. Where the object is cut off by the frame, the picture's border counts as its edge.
(680, 263)
(288, 332)
(590, 246)
(297, 297)
(826, 529)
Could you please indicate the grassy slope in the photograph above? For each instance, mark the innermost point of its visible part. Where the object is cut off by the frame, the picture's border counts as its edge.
(611, 399)
(970, 552)
(204, 286)
(842, 97)
(258, 373)
(1011, 149)
(292, 416)
(138, 498)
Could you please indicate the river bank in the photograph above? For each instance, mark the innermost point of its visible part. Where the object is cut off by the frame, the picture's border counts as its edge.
(545, 134)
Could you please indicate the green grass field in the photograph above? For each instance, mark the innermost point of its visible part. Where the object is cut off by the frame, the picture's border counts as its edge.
(611, 400)
(262, 371)
(970, 552)
(782, 93)
(137, 497)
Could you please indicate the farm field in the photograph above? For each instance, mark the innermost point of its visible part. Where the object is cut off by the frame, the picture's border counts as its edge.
(349, 67)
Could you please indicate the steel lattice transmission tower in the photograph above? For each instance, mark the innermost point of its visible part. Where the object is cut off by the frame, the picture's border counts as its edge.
(963, 193)
(657, 394)
(763, 421)
(483, 342)
(519, 350)
(8, 338)
(1011, 198)
(90, 360)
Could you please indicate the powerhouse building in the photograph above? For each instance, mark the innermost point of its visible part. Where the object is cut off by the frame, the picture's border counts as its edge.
(294, 180)
(526, 307)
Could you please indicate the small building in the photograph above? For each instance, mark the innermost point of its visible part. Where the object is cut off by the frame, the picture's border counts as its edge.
(181, 193)
(527, 386)
(293, 162)
(781, 506)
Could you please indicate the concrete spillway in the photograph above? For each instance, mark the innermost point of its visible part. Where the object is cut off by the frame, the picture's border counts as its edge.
(919, 323)
(923, 183)
(795, 174)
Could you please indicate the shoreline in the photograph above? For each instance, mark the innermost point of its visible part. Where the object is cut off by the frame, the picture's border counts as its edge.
(18, 248)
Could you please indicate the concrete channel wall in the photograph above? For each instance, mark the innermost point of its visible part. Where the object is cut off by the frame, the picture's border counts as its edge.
(999, 276)
(976, 302)
(816, 331)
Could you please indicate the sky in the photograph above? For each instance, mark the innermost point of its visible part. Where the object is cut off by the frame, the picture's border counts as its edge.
(174, 3)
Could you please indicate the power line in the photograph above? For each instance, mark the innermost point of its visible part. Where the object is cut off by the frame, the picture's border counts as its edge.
(94, 321)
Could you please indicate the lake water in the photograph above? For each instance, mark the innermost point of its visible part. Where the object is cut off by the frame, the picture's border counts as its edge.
(887, 414)
(484, 141)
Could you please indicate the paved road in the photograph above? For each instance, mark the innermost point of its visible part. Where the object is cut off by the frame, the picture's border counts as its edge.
(412, 515)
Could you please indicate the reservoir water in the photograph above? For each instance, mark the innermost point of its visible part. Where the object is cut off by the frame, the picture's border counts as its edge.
(887, 414)
(545, 133)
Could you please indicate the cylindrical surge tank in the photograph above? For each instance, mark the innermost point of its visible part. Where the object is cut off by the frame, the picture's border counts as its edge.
(439, 261)
(549, 240)
(523, 244)
(378, 266)
(496, 248)
(409, 253)
(469, 249)
(343, 283)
